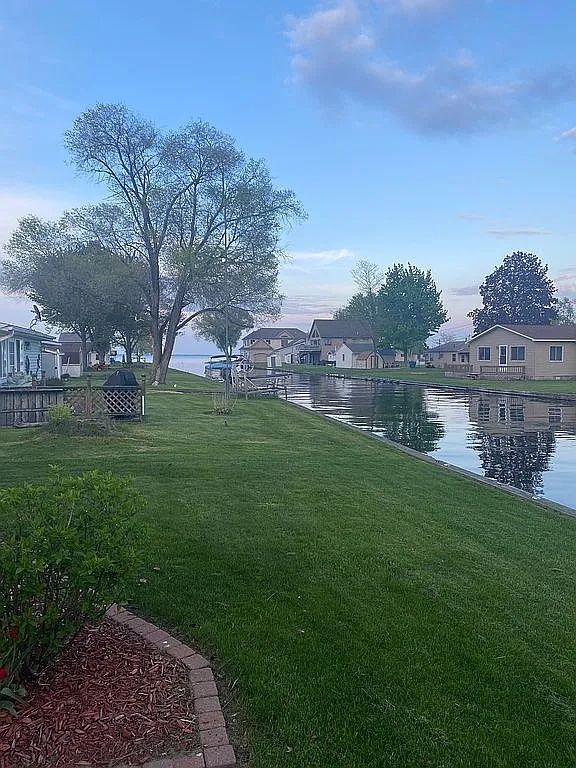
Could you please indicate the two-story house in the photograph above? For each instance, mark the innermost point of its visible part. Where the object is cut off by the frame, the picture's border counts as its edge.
(326, 336)
(262, 342)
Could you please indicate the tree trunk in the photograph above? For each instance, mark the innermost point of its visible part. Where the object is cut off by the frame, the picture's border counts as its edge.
(162, 369)
(128, 347)
(83, 352)
(156, 353)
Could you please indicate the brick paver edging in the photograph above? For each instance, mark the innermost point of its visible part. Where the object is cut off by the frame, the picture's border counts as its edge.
(216, 751)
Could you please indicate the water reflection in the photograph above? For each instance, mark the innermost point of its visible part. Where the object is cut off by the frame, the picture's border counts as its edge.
(516, 437)
(529, 444)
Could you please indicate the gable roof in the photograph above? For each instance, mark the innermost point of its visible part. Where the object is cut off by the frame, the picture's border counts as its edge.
(358, 348)
(536, 332)
(449, 346)
(275, 333)
(10, 328)
(342, 329)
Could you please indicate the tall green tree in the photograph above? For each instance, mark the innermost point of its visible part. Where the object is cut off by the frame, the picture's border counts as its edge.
(518, 291)
(177, 200)
(410, 308)
(78, 285)
(225, 328)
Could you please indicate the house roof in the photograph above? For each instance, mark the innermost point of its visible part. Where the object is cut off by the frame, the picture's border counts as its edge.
(537, 332)
(69, 338)
(10, 328)
(359, 348)
(342, 329)
(275, 333)
(449, 346)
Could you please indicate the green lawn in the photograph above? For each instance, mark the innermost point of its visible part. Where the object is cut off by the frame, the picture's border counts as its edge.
(374, 610)
(436, 376)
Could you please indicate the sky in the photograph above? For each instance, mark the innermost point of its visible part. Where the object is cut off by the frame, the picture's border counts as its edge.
(436, 132)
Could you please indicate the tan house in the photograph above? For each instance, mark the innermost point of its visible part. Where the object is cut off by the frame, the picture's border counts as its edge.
(259, 344)
(326, 336)
(525, 351)
(351, 354)
(449, 353)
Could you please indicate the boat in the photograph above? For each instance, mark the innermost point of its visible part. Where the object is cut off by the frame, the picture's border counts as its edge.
(217, 365)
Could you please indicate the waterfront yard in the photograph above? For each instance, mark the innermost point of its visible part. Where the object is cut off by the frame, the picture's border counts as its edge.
(369, 609)
(422, 375)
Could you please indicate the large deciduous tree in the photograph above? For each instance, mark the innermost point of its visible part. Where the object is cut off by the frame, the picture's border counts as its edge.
(518, 291)
(178, 201)
(224, 329)
(79, 285)
(410, 308)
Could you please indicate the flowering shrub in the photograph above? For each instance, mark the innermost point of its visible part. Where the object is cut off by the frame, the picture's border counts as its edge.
(68, 548)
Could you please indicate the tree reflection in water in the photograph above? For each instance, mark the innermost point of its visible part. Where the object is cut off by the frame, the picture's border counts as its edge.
(399, 413)
(518, 460)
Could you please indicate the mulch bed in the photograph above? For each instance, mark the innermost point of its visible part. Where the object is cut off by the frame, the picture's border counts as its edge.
(109, 699)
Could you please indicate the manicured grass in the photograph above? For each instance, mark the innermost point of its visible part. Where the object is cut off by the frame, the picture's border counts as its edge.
(373, 610)
(436, 376)
(174, 380)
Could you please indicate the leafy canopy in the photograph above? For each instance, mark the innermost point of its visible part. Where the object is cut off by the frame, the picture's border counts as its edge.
(410, 308)
(518, 291)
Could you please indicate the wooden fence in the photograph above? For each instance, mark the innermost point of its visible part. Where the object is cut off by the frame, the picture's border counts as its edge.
(21, 406)
(27, 405)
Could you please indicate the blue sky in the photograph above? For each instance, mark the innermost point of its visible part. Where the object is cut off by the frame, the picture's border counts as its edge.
(440, 132)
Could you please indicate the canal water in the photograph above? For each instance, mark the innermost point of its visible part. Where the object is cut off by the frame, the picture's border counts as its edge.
(524, 442)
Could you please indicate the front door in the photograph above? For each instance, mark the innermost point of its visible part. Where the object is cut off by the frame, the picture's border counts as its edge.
(503, 358)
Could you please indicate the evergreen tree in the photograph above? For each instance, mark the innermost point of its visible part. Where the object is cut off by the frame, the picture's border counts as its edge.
(517, 292)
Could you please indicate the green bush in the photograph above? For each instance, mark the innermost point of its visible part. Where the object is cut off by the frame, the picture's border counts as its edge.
(68, 549)
(59, 415)
(62, 421)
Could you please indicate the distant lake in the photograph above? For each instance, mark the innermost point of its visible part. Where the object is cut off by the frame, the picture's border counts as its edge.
(190, 363)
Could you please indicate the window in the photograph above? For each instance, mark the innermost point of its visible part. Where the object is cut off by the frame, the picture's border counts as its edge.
(483, 410)
(327, 341)
(556, 354)
(484, 353)
(285, 342)
(343, 358)
(555, 415)
(440, 355)
(518, 354)
(11, 356)
(454, 357)
(267, 341)
(517, 413)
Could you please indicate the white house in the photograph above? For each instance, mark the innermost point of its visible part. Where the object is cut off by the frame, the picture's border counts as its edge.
(351, 354)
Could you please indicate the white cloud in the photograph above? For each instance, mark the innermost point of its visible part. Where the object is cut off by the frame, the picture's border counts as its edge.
(319, 258)
(340, 54)
(503, 232)
(570, 134)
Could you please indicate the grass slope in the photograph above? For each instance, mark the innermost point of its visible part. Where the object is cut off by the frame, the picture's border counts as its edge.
(374, 610)
(436, 376)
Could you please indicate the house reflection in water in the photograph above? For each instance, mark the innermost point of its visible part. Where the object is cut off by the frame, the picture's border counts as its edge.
(516, 436)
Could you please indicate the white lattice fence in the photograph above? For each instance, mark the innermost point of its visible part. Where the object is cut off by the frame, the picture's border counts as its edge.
(125, 402)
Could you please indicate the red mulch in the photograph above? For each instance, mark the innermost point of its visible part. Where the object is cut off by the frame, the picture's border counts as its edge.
(109, 698)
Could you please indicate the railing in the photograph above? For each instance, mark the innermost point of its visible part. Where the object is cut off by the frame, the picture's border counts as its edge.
(503, 371)
(458, 367)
